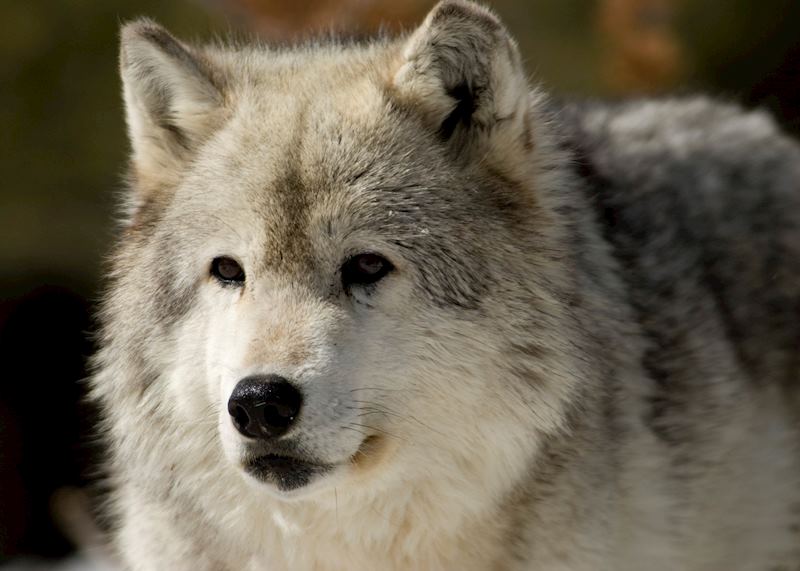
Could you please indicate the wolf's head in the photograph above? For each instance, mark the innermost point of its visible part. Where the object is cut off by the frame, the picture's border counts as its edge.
(339, 262)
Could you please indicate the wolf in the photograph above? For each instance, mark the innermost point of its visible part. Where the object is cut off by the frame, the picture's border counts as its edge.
(383, 305)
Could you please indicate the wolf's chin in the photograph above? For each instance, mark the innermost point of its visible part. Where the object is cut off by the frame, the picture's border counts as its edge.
(286, 473)
(290, 477)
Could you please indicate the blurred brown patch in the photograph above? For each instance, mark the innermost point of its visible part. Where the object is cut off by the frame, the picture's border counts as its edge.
(643, 54)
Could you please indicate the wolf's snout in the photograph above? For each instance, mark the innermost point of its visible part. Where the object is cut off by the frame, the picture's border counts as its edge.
(264, 406)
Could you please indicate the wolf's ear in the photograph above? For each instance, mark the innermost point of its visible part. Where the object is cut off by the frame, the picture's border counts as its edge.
(462, 69)
(173, 98)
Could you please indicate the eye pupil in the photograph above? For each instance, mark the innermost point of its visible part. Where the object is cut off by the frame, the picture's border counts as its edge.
(369, 264)
(227, 270)
(365, 269)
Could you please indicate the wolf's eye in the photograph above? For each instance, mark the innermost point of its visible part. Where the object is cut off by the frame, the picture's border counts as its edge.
(227, 270)
(365, 269)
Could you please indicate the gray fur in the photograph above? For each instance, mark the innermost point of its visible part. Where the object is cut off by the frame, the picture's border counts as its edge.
(586, 357)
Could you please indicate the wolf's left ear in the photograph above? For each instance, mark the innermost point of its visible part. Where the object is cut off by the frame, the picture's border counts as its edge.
(173, 99)
(463, 71)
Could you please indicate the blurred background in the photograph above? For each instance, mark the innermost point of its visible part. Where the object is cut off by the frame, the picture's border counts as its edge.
(63, 147)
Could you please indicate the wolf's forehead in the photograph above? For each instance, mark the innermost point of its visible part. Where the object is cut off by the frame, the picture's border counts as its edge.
(305, 120)
(297, 145)
(322, 112)
(294, 150)
(308, 171)
(316, 84)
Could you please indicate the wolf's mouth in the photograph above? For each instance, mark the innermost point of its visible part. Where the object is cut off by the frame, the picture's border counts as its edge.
(284, 472)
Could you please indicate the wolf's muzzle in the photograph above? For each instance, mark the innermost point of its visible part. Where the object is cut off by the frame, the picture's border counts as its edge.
(264, 406)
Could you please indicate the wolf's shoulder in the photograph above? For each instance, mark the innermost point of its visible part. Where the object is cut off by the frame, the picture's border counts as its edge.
(709, 167)
(659, 140)
(700, 202)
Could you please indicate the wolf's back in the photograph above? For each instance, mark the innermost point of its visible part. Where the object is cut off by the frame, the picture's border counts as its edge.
(701, 204)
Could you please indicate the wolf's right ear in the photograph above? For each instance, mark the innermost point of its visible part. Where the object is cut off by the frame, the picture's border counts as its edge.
(173, 99)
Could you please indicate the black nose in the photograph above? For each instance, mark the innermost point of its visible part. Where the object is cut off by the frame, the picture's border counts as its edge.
(264, 406)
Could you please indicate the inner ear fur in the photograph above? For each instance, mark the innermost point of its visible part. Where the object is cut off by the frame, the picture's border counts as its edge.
(462, 71)
(173, 98)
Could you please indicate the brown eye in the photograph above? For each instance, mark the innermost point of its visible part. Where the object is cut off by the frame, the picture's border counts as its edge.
(227, 270)
(365, 269)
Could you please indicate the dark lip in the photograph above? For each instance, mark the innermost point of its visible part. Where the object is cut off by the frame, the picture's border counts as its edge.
(287, 473)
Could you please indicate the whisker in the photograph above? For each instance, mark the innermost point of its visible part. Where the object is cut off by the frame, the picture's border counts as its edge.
(373, 408)
(383, 389)
(376, 429)
(354, 430)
